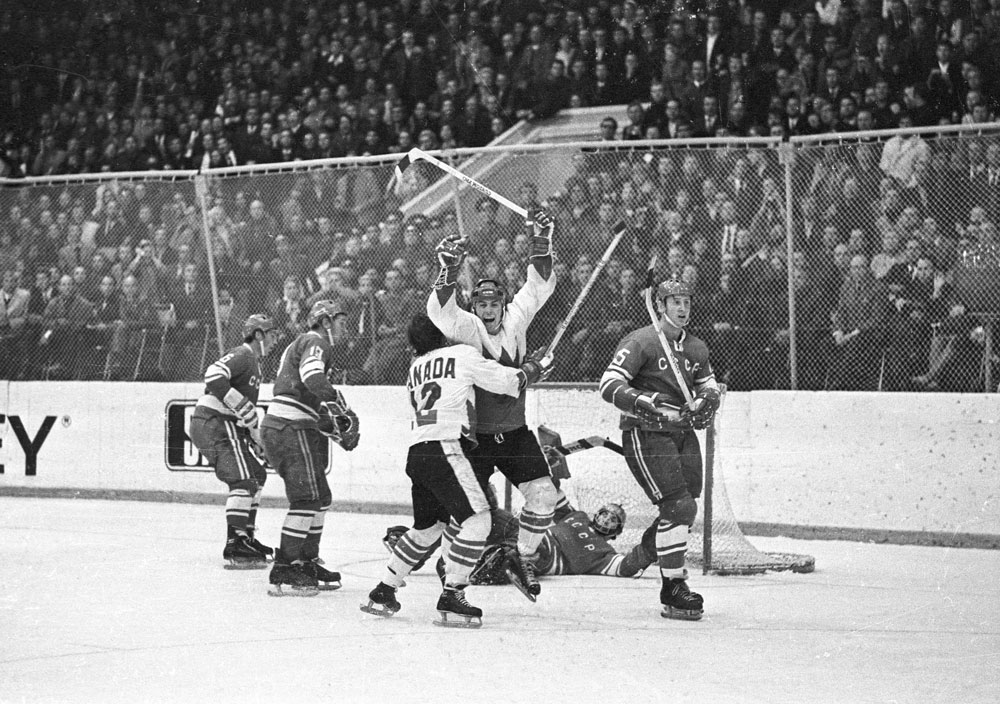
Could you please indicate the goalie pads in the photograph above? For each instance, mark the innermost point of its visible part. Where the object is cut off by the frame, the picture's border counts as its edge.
(543, 227)
(549, 441)
(451, 252)
(701, 409)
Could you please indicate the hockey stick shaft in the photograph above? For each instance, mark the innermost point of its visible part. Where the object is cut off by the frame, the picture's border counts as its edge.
(417, 154)
(587, 444)
(578, 303)
(660, 334)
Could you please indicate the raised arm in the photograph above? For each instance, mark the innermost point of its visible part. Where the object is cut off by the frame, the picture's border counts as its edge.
(442, 305)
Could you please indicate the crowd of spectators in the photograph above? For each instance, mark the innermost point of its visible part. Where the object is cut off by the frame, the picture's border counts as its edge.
(129, 86)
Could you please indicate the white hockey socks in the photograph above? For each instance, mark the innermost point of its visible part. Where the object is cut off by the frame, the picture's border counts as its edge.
(540, 496)
(238, 509)
(412, 547)
(467, 548)
(671, 547)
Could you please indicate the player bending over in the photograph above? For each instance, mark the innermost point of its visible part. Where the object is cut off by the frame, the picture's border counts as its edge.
(445, 490)
(305, 411)
(498, 330)
(226, 430)
(661, 447)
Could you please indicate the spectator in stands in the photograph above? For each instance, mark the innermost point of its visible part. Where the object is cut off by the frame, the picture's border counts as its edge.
(65, 318)
(388, 358)
(859, 329)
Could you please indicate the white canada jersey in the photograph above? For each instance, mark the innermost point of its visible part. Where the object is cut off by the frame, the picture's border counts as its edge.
(497, 413)
(442, 385)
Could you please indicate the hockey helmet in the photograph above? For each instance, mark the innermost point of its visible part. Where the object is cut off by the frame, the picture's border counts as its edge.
(257, 321)
(673, 287)
(488, 290)
(320, 310)
(609, 520)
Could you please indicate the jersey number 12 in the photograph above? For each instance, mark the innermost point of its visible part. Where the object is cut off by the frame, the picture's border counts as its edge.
(424, 406)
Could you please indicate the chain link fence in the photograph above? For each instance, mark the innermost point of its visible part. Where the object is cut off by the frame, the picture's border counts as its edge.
(892, 239)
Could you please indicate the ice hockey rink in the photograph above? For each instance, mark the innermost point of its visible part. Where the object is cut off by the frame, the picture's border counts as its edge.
(122, 601)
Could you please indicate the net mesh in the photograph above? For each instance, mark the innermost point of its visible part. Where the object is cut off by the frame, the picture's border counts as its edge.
(599, 476)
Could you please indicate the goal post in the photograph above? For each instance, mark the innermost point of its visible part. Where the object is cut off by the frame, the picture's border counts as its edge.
(716, 543)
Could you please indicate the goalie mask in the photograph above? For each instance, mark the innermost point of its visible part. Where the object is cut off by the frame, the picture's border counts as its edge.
(674, 299)
(320, 311)
(264, 324)
(489, 302)
(609, 521)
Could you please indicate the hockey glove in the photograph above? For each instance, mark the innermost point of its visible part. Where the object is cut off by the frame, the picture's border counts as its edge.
(541, 238)
(536, 368)
(655, 408)
(246, 412)
(701, 409)
(349, 430)
(451, 252)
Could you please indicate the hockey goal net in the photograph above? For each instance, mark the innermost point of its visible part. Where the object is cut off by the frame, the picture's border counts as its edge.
(717, 544)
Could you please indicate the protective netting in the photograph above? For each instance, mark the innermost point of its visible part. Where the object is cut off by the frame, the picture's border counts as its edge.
(916, 213)
(716, 543)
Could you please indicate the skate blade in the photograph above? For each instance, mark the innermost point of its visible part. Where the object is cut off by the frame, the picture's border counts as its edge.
(277, 590)
(444, 620)
(520, 587)
(378, 610)
(681, 614)
(233, 565)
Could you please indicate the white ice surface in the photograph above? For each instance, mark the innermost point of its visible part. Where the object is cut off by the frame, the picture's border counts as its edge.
(116, 601)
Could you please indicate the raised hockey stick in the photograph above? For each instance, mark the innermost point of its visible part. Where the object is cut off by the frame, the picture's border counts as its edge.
(655, 319)
(578, 303)
(417, 154)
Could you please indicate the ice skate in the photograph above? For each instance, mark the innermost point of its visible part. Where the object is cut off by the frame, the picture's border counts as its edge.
(679, 602)
(291, 579)
(382, 601)
(240, 553)
(327, 581)
(491, 568)
(264, 550)
(455, 612)
(521, 572)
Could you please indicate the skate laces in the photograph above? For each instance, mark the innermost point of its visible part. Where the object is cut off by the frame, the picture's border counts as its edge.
(459, 595)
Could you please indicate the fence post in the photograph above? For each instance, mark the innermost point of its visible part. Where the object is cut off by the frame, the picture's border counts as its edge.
(201, 191)
(786, 157)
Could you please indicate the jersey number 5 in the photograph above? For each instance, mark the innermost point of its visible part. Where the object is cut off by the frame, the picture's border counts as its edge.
(429, 394)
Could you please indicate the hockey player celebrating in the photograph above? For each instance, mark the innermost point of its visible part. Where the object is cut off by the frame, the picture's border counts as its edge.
(226, 430)
(446, 492)
(498, 329)
(305, 411)
(661, 447)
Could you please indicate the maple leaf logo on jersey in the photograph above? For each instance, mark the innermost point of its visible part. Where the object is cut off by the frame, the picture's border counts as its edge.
(505, 358)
